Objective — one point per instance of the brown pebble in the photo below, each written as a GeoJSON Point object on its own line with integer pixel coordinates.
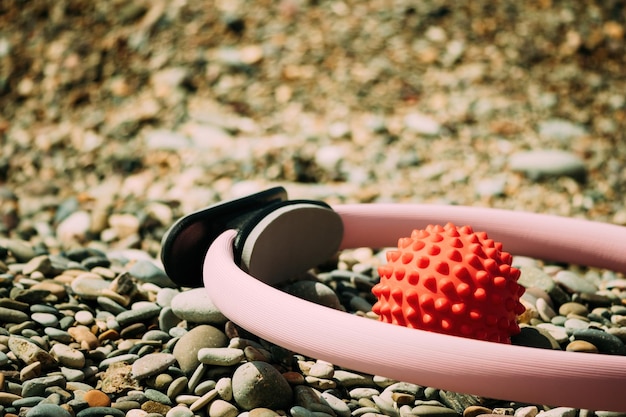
{"type": "Point", "coordinates": [109, 334]}
{"type": "Point", "coordinates": [6, 398]}
{"type": "Point", "coordinates": [402, 398]}
{"type": "Point", "coordinates": [476, 410]}
{"type": "Point", "coordinates": [97, 398]}
{"type": "Point", "coordinates": [83, 335]}
{"type": "Point", "coordinates": [581, 346]}
{"type": "Point", "coordinates": [294, 378]}
{"type": "Point", "coordinates": [133, 330]}
{"type": "Point", "coordinates": [155, 407]}
{"type": "Point", "coordinates": [55, 288]}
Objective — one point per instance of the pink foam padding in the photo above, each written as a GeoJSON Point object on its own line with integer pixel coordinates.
{"type": "Point", "coordinates": [493, 370]}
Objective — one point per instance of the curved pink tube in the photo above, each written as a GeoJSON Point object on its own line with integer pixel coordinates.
{"type": "Point", "coordinates": [493, 370]}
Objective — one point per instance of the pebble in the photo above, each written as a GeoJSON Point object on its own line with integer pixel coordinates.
{"type": "Point", "coordinates": [139, 313]}
{"type": "Point", "coordinates": [196, 306]}
{"type": "Point", "coordinates": [221, 408]}
{"type": "Point", "coordinates": [147, 271]}
{"type": "Point", "coordinates": [259, 384]}
{"type": "Point", "coordinates": [97, 398]}
{"type": "Point", "coordinates": [29, 352]}
{"type": "Point", "coordinates": [574, 283]}
{"type": "Point", "coordinates": [152, 364]}
{"type": "Point", "coordinates": [220, 356]}
{"type": "Point", "coordinates": [604, 341]}
{"type": "Point", "coordinates": [431, 410]}
{"type": "Point", "coordinates": [187, 347]}
{"type": "Point", "coordinates": [315, 292]}
{"type": "Point", "coordinates": [48, 410]}
{"type": "Point", "coordinates": [68, 356]}
{"type": "Point", "coordinates": [581, 346]}
{"type": "Point", "coordinates": [538, 164]}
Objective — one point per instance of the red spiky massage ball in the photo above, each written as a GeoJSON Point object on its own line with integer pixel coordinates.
{"type": "Point", "coordinates": [450, 280]}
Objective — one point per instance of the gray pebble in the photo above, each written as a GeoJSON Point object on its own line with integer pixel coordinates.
{"type": "Point", "coordinates": [605, 342]}
{"type": "Point", "coordinates": [537, 164]}
{"type": "Point", "coordinates": [557, 332]}
{"type": "Point", "coordinates": [574, 283]}
{"type": "Point", "coordinates": [432, 410]}
{"type": "Point", "coordinates": [220, 356]}
{"type": "Point", "coordinates": [155, 395]}
{"type": "Point", "coordinates": [128, 357]}
{"type": "Point", "coordinates": [143, 313]}
{"type": "Point", "coordinates": [196, 306]}
{"type": "Point", "coordinates": [152, 364]}
{"type": "Point", "coordinates": [571, 325]}
{"type": "Point", "coordinates": [100, 412]}
{"type": "Point", "coordinates": [48, 410]}
{"type": "Point", "coordinates": [110, 305]}
{"type": "Point", "coordinates": [37, 386]}
{"type": "Point", "coordinates": [9, 315]}
{"type": "Point", "coordinates": [187, 347]}
{"type": "Point", "coordinates": [259, 384]}
{"type": "Point", "coordinates": [147, 271]}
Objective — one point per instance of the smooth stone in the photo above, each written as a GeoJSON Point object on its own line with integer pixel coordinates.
{"type": "Point", "coordinates": [545, 311]}
{"type": "Point", "coordinates": [9, 315]}
{"type": "Point", "coordinates": [147, 271]}
{"type": "Point", "coordinates": [58, 335]}
{"type": "Point", "coordinates": [560, 129]}
{"type": "Point", "coordinates": [203, 401]}
{"type": "Point", "coordinates": [127, 357]}
{"type": "Point", "coordinates": [315, 292]}
{"type": "Point", "coordinates": [539, 164]}
{"type": "Point", "coordinates": [68, 356]}
{"type": "Point", "coordinates": [264, 412]}
{"type": "Point", "coordinates": [48, 410]}
{"type": "Point", "coordinates": [28, 352]}
{"type": "Point", "coordinates": [338, 405]}
{"type": "Point", "coordinates": [187, 347]}
{"type": "Point", "coordinates": [534, 277]}
{"type": "Point", "coordinates": [535, 337]}
{"type": "Point", "coordinates": [84, 336]}
{"type": "Point", "coordinates": [21, 250]}
{"type": "Point", "coordinates": [574, 283]}
{"type": "Point", "coordinates": [476, 410]}
{"type": "Point", "coordinates": [97, 398]}
{"type": "Point", "coordinates": [581, 346]}
{"type": "Point", "coordinates": [573, 308]}
{"type": "Point", "coordinates": [37, 386]}
{"type": "Point", "coordinates": [177, 386]}
{"type": "Point", "coordinates": [364, 392]}
{"type": "Point", "coordinates": [157, 396]}
{"type": "Point", "coordinates": [224, 387]}
{"type": "Point", "coordinates": [168, 320]}
{"type": "Point", "coordinates": [432, 410]}
{"type": "Point", "coordinates": [422, 124]}
{"type": "Point", "coordinates": [221, 408]}
{"type": "Point", "coordinates": [322, 369]}
{"type": "Point", "coordinates": [220, 356]}
{"type": "Point", "coordinates": [557, 332]}
{"type": "Point", "coordinates": [528, 411]}
{"type": "Point", "coordinates": [110, 305]}
{"type": "Point", "coordinates": [84, 317]}
{"type": "Point", "coordinates": [196, 306]}
{"type": "Point", "coordinates": [605, 342]}
{"type": "Point", "coordinates": [165, 296]}
{"type": "Point", "coordinates": [352, 379]}
{"type": "Point", "coordinates": [259, 384]}
{"type": "Point", "coordinates": [572, 325]}
{"type": "Point", "coordinates": [152, 364]}
{"type": "Point", "coordinates": [141, 314]}
{"type": "Point", "coordinates": [89, 285]}
{"type": "Point", "coordinates": [179, 411]}
{"type": "Point", "coordinates": [100, 412]}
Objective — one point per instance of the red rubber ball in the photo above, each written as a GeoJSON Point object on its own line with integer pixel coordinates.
{"type": "Point", "coordinates": [450, 280]}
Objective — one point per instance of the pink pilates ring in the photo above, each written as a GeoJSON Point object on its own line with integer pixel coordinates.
{"type": "Point", "coordinates": [494, 370]}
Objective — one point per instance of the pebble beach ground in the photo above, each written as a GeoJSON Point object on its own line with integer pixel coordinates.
{"type": "Point", "coordinates": [116, 118]}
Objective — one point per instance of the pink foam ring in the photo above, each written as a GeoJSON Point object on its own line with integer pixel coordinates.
{"type": "Point", "coordinates": [493, 370]}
